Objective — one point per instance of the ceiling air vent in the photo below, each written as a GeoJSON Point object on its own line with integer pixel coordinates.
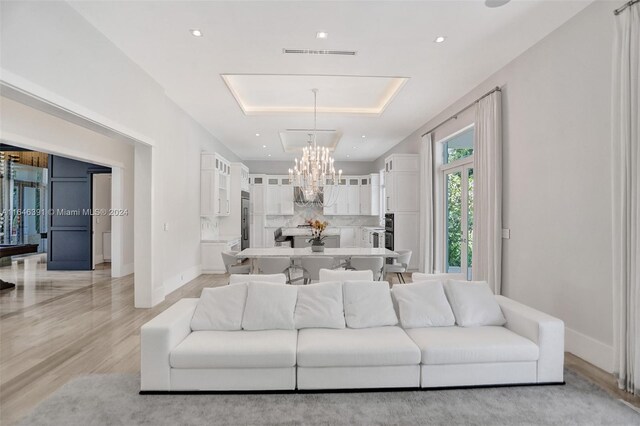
{"type": "Point", "coordinates": [320, 52]}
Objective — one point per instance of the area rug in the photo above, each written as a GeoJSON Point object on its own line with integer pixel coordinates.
{"type": "Point", "coordinates": [113, 400]}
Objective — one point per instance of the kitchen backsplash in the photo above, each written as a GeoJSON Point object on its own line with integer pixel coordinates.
{"type": "Point", "coordinates": [209, 228]}
{"type": "Point", "coordinates": [302, 213]}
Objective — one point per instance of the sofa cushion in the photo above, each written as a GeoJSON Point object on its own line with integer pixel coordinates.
{"type": "Point", "coordinates": [342, 275]}
{"type": "Point", "coordinates": [320, 306]}
{"type": "Point", "coordinates": [220, 308]}
{"type": "Point", "coordinates": [419, 276]}
{"type": "Point", "coordinates": [368, 304]}
{"type": "Point", "coordinates": [350, 347]}
{"type": "Point", "coordinates": [460, 345]}
{"type": "Point", "coordinates": [236, 349]}
{"type": "Point", "coordinates": [269, 307]}
{"type": "Point", "coordinates": [265, 278]}
{"type": "Point", "coordinates": [423, 304]}
{"type": "Point", "coordinates": [473, 303]}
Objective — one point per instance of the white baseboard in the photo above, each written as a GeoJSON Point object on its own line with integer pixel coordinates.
{"type": "Point", "coordinates": [175, 282]}
{"type": "Point", "coordinates": [591, 350]}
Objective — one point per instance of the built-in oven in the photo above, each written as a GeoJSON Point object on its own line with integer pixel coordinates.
{"type": "Point", "coordinates": [388, 222]}
{"type": "Point", "coordinates": [388, 240]}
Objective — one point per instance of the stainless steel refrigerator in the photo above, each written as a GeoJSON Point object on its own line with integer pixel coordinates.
{"type": "Point", "coordinates": [245, 221]}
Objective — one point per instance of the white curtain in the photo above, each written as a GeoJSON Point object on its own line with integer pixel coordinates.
{"type": "Point", "coordinates": [626, 194]}
{"type": "Point", "coordinates": [427, 201]}
{"type": "Point", "coordinates": [487, 211]}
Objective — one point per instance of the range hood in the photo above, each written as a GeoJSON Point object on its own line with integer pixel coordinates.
{"type": "Point", "coordinates": [299, 197]}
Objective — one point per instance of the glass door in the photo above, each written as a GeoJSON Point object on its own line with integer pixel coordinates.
{"type": "Point", "coordinates": [458, 238]}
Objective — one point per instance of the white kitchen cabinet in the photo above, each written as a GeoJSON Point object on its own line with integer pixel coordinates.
{"type": "Point", "coordinates": [370, 195]}
{"type": "Point", "coordinates": [211, 255]}
{"type": "Point", "coordinates": [269, 237]}
{"type": "Point", "coordinates": [215, 185]}
{"type": "Point", "coordinates": [330, 194]}
{"type": "Point", "coordinates": [279, 197]}
{"type": "Point", "coordinates": [348, 237]}
{"type": "Point", "coordinates": [244, 178]}
{"type": "Point", "coordinates": [256, 231]}
{"type": "Point", "coordinates": [353, 196]}
{"type": "Point", "coordinates": [257, 190]}
{"type": "Point", "coordinates": [401, 183]}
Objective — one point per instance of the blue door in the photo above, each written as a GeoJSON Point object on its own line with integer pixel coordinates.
{"type": "Point", "coordinates": [70, 233]}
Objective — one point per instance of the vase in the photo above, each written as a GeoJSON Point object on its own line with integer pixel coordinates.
{"type": "Point", "coordinates": [317, 247]}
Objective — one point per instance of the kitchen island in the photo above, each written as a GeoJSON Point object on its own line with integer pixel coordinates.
{"type": "Point", "coordinates": [300, 237]}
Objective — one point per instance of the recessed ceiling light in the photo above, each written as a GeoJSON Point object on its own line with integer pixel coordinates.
{"type": "Point", "coordinates": [196, 32]}
{"type": "Point", "coordinates": [354, 147]}
{"type": "Point", "coordinates": [269, 155]}
{"type": "Point", "coordinates": [264, 146]}
{"type": "Point", "coordinates": [257, 134]}
{"type": "Point", "coordinates": [440, 39]}
{"type": "Point", "coordinates": [348, 155]}
{"type": "Point", "coordinates": [364, 136]}
{"type": "Point", "coordinates": [495, 3]}
{"type": "Point", "coordinates": [322, 34]}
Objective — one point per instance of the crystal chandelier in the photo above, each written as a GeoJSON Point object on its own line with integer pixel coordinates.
{"type": "Point", "coordinates": [315, 168]}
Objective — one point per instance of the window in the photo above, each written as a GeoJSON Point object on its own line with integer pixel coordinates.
{"type": "Point", "coordinates": [458, 146]}
{"type": "Point", "coordinates": [458, 179]}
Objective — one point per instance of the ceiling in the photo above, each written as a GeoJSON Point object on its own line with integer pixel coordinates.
{"type": "Point", "coordinates": [236, 81]}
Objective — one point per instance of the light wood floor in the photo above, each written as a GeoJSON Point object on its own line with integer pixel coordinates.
{"type": "Point", "coordinates": [63, 326]}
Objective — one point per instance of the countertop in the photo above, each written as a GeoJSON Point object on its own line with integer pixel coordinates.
{"type": "Point", "coordinates": [222, 239]}
{"type": "Point", "coordinates": [256, 253]}
{"type": "Point", "coordinates": [306, 232]}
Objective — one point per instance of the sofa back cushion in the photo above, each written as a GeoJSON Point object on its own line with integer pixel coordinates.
{"type": "Point", "coordinates": [419, 277]}
{"type": "Point", "coordinates": [320, 306]}
{"type": "Point", "coordinates": [264, 278]}
{"type": "Point", "coordinates": [269, 306]}
{"type": "Point", "coordinates": [368, 304]}
{"type": "Point", "coordinates": [342, 275]}
{"type": "Point", "coordinates": [473, 303]}
{"type": "Point", "coordinates": [220, 308]}
{"type": "Point", "coordinates": [423, 304]}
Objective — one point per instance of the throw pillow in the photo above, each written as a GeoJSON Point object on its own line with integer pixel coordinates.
{"type": "Point", "coordinates": [320, 306]}
{"type": "Point", "coordinates": [368, 304]}
{"type": "Point", "coordinates": [220, 308]}
{"type": "Point", "coordinates": [473, 304]}
{"type": "Point", "coordinates": [269, 307]}
{"type": "Point", "coordinates": [423, 304]}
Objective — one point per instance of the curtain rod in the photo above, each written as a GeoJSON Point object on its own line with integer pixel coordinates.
{"type": "Point", "coordinates": [624, 6]}
{"type": "Point", "coordinates": [495, 89]}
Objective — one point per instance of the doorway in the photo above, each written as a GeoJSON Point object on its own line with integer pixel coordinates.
{"type": "Point", "coordinates": [101, 219]}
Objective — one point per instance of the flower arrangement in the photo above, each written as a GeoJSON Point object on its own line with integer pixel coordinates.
{"type": "Point", "coordinates": [317, 228]}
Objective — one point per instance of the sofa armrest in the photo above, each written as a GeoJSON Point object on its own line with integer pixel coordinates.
{"type": "Point", "coordinates": [157, 338]}
{"type": "Point", "coordinates": [544, 330]}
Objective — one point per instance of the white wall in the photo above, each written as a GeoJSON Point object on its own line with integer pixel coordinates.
{"type": "Point", "coordinates": [49, 50]}
{"type": "Point", "coordinates": [557, 177]}
{"type": "Point", "coordinates": [101, 224]}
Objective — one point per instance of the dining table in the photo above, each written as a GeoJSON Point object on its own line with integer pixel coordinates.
{"type": "Point", "coordinates": [342, 253]}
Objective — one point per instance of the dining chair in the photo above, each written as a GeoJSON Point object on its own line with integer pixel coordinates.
{"type": "Point", "coordinates": [232, 265]}
{"type": "Point", "coordinates": [274, 265]}
{"type": "Point", "coordinates": [400, 264]}
{"type": "Point", "coordinates": [374, 264]}
{"type": "Point", "coordinates": [311, 267]}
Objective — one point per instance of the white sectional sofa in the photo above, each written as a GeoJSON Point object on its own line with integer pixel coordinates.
{"type": "Point", "coordinates": [527, 349]}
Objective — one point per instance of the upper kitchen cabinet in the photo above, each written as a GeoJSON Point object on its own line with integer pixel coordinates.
{"type": "Point", "coordinates": [402, 182]}
{"type": "Point", "coordinates": [215, 185]}
{"type": "Point", "coordinates": [279, 196]}
{"type": "Point", "coordinates": [370, 195]}
{"type": "Point", "coordinates": [344, 198]}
